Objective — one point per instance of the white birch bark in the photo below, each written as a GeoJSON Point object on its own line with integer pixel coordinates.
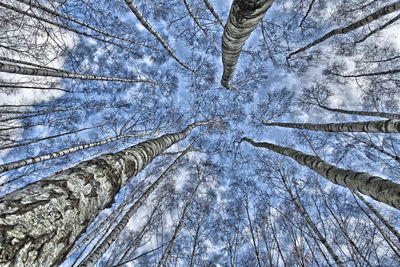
{"type": "Point", "coordinates": [243, 19]}
{"type": "Point", "coordinates": [10, 68]}
{"type": "Point", "coordinates": [378, 188]}
{"type": "Point", "coordinates": [135, 10]}
{"type": "Point", "coordinates": [386, 126]}
{"type": "Point", "coordinates": [343, 30]}
{"type": "Point", "coordinates": [40, 222]}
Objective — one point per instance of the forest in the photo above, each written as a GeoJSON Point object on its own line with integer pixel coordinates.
{"type": "Point", "coordinates": [199, 133]}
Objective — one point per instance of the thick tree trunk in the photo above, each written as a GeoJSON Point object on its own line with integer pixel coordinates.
{"type": "Point", "coordinates": [135, 10]}
{"type": "Point", "coordinates": [387, 126]}
{"type": "Point", "coordinates": [378, 188]}
{"type": "Point", "coordinates": [243, 19]}
{"type": "Point", "coordinates": [380, 28]}
{"type": "Point", "coordinates": [92, 259]}
{"type": "Point", "coordinates": [40, 222]}
{"type": "Point", "coordinates": [364, 21]}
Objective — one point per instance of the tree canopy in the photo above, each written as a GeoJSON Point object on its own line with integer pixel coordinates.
{"type": "Point", "coordinates": [199, 133]}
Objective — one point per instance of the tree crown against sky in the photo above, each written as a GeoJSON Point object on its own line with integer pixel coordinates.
{"type": "Point", "coordinates": [83, 80]}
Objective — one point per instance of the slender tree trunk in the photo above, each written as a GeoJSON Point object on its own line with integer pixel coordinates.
{"type": "Point", "coordinates": [150, 28]}
{"type": "Point", "coordinates": [379, 216]}
{"type": "Point", "coordinates": [196, 240]}
{"type": "Point", "coordinates": [386, 72]}
{"type": "Point", "coordinates": [386, 126]}
{"type": "Point", "coordinates": [380, 28]}
{"type": "Point", "coordinates": [25, 162]}
{"type": "Point", "coordinates": [92, 258]}
{"type": "Point", "coordinates": [168, 251]}
{"type": "Point", "coordinates": [364, 21]}
{"type": "Point", "coordinates": [211, 8]}
{"type": "Point", "coordinates": [342, 228]}
{"type": "Point", "coordinates": [46, 138]}
{"type": "Point", "coordinates": [243, 19]}
{"type": "Point", "coordinates": [363, 113]}
{"type": "Point", "coordinates": [310, 223]}
{"type": "Point", "coordinates": [307, 13]}
{"type": "Point", "coordinates": [378, 188]}
{"type": "Point", "coordinates": [40, 222]}
{"type": "Point", "coordinates": [45, 9]}
{"type": "Point", "coordinates": [252, 233]}
{"type": "Point", "coordinates": [10, 68]}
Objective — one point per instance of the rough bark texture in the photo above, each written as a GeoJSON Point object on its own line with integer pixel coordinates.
{"type": "Point", "coordinates": [243, 19]}
{"type": "Point", "coordinates": [364, 21]}
{"type": "Point", "coordinates": [135, 10]}
{"type": "Point", "coordinates": [40, 222]}
{"type": "Point", "coordinates": [378, 188]}
{"type": "Point", "coordinates": [387, 126]}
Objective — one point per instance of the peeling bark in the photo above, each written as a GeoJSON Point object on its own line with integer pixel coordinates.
{"type": "Point", "coordinates": [387, 126]}
{"type": "Point", "coordinates": [378, 188]}
{"type": "Point", "coordinates": [243, 19]}
{"type": "Point", "coordinates": [343, 30]}
{"type": "Point", "coordinates": [40, 222]}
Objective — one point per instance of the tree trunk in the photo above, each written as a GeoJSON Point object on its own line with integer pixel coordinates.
{"type": "Point", "coordinates": [364, 21]}
{"type": "Point", "coordinates": [309, 222]}
{"type": "Point", "coordinates": [10, 68]}
{"type": "Point", "coordinates": [40, 222]}
{"type": "Point", "coordinates": [243, 19]}
{"type": "Point", "coordinates": [362, 113]}
{"type": "Point", "coordinates": [25, 162]}
{"type": "Point", "coordinates": [380, 189]}
{"type": "Point", "coordinates": [150, 28]}
{"type": "Point", "coordinates": [386, 126]}
{"type": "Point", "coordinates": [379, 216]}
{"type": "Point", "coordinates": [168, 251]}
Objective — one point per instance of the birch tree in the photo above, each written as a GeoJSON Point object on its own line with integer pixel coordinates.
{"type": "Point", "coordinates": [41, 221]}
{"type": "Point", "coordinates": [378, 188]}
{"type": "Point", "coordinates": [243, 19]}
